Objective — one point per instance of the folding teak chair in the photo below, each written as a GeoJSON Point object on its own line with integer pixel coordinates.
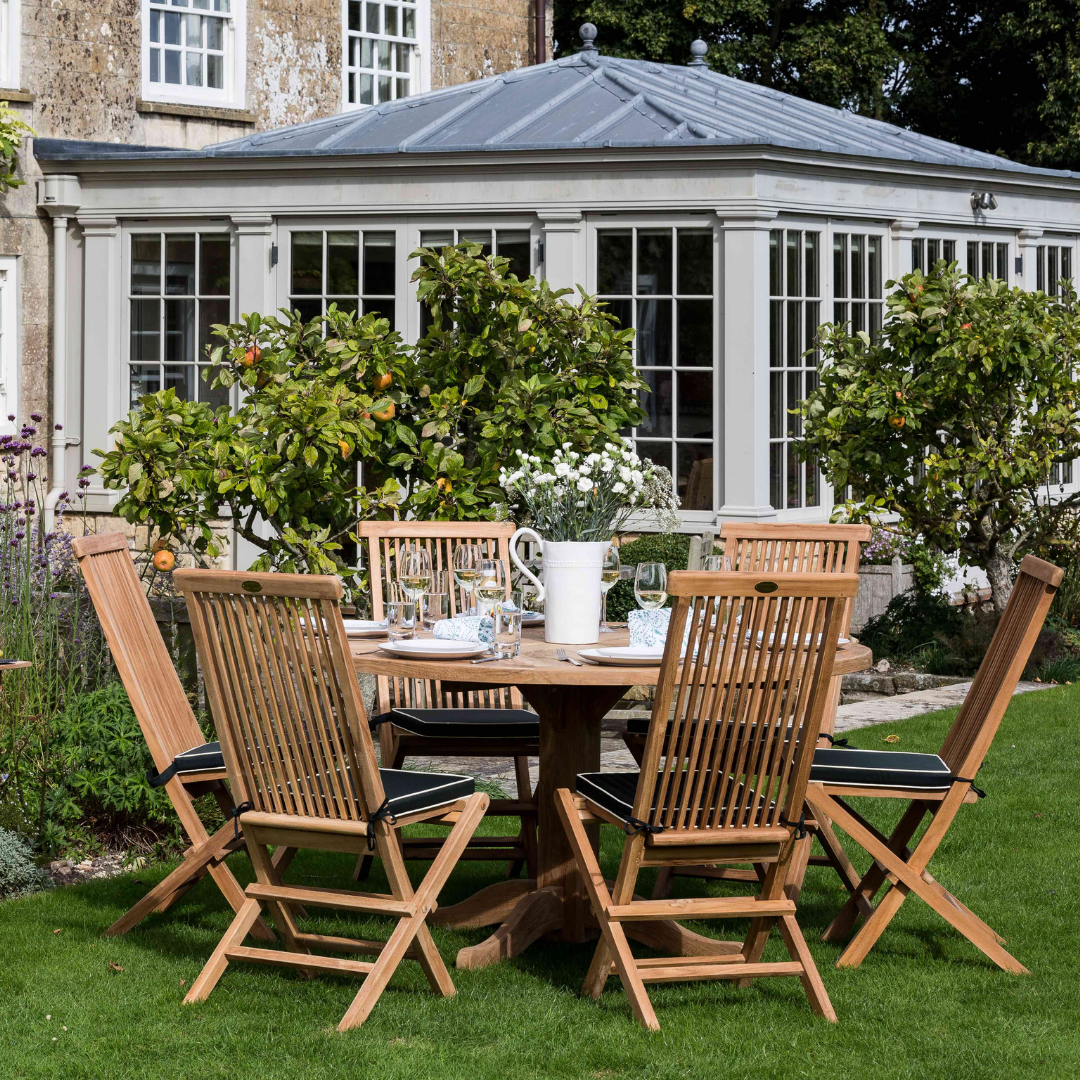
{"type": "Point", "coordinates": [301, 759]}
{"type": "Point", "coordinates": [933, 784]}
{"type": "Point", "coordinates": [788, 547]}
{"type": "Point", "coordinates": [185, 764]}
{"type": "Point", "coordinates": [723, 782]}
{"type": "Point", "coordinates": [433, 719]}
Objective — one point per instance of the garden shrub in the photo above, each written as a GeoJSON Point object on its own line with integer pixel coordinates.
{"type": "Point", "coordinates": [19, 874]}
{"type": "Point", "coordinates": [672, 549]}
{"type": "Point", "coordinates": [913, 622]}
{"type": "Point", "coordinates": [101, 797]}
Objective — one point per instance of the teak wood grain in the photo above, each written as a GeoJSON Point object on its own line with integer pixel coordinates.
{"type": "Point", "coordinates": [300, 757]}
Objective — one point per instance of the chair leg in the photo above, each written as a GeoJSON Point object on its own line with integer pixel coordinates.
{"type": "Point", "coordinates": [810, 978]}
{"type": "Point", "coordinates": [797, 870]}
{"type": "Point", "coordinates": [837, 856]}
{"type": "Point", "coordinates": [215, 967]}
{"type": "Point", "coordinates": [772, 889]}
{"type": "Point", "coordinates": [613, 944]}
{"type": "Point", "coordinates": [662, 888]}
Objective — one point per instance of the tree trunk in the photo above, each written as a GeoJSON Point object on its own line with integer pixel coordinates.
{"type": "Point", "coordinates": [997, 570]}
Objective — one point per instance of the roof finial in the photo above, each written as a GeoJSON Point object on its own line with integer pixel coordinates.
{"type": "Point", "coordinates": [698, 49]}
{"type": "Point", "coordinates": [587, 33]}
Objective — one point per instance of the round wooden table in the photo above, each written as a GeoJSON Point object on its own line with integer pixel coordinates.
{"type": "Point", "coordinates": [571, 702]}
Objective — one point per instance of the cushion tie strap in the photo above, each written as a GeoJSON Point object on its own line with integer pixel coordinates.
{"type": "Point", "coordinates": [799, 826]}
{"type": "Point", "coordinates": [383, 813]}
{"type": "Point", "coordinates": [964, 780]}
{"type": "Point", "coordinates": [636, 825]}
{"type": "Point", "coordinates": [382, 718]}
{"type": "Point", "coordinates": [834, 743]}
{"type": "Point", "coordinates": [235, 813]}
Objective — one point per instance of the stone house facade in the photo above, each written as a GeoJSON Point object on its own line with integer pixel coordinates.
{"type": "Point", "coordinates": [187, 73]}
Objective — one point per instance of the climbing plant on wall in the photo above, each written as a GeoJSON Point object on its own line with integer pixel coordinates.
{"type": "Point", "coordinates": [12, 132]}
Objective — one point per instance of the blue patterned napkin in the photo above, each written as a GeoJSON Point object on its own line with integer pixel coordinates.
{"type": "Point", "coordinates": [479, 628]}
{"type": "Point", "coordinates": [648, 629]}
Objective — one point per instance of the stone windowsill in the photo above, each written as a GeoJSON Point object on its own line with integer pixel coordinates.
{"type": "Point", "coordinates": [10, 95]}
{"type": "Point", "coordinates": [201, 112]}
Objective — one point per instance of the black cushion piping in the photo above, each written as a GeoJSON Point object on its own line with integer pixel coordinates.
{"type": "Point", "coordinates": [464, 723]}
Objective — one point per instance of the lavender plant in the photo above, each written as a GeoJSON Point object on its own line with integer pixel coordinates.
{"type": "Point", "coordinates": [46, 617]}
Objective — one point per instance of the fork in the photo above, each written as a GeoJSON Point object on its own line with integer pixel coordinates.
{"type": "Point", "coordinates": [560, 654]}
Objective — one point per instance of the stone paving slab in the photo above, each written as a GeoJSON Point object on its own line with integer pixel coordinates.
{"type": "Point", "coordinates": [614, 757]}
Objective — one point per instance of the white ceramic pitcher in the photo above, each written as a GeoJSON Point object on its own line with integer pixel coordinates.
{"type": "Point", "coordinates": [570, 590]}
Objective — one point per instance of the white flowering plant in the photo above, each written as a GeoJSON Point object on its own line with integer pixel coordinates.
{"type": "Point", "coordinates": [588, 496]}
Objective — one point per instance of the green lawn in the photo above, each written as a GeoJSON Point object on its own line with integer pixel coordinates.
{"type": "Point", "coordinates": [925, 1003]}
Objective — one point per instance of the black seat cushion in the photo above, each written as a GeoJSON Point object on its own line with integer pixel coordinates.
{"type": "Point", "coordinates": [205, 758]}
{"type": "Point", "coordinates": [409, 791]}
{"type": "Point", "coordinates": [465, 723]}
{"type": "Point", "coordinates": [614, 791]}
{"type": "Point", "coordinates": [881, 769]}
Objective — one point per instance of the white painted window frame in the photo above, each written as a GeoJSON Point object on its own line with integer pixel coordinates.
{"type": "Point", "coordinates": [10, 340]}
{"type": "Point", "coordinates": [963, 236]}
{"type": "Point", "coordinates": [10, 38]}
{"type": "Point", "coordinates": [233, 94]}
{"type": "Point", "coordinates": [692, 520]}
{"type": "Point", "coordinates": [421, 58]}
{"type": "Point", "coordinates": [169, 225]}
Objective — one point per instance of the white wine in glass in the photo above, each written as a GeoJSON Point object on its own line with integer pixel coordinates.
{"type": "Point", "coordinates": [414, 572]}
{"type": "Point", "coordinates": [650, 585]}
{"type": "Point", "coordinates": [467, 560]}
{"type": "Point", "coordinates": [490, 584]}
{"type": "Point", "coordinates": [610, 569]}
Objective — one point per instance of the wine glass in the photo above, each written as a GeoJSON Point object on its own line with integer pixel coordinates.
{"type": "Point", "coordinates": [712, 562]}
{"type": "Point", "coordinates": [467, 560]}
{"type": "Point", "coordinates": [650, 585]}
{"type": "Point", "coordinates": [491, 583]}
{"type": "Point", "coordinates": [414, 572]}
{"type": "Point", "coordinates": [610, 569]}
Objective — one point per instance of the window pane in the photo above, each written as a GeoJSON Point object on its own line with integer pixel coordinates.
{"type": "Point", "coordinates": [155, 25]}
{"type": "Point", "coordinates": [948, 248]}
{"type": "Point", "coordinates": [776, 405]}
{"type": "Point", "coordinates": [379, 264]}
{"type": "Point", "coordinates": [695, 420]}
{"type": "Point", "coordinates": [478, 236]}
{"type": "Point", "coordinates": [840, 281]}
{"type": "Point", "coordinates": [384, 89]}
{"type": "Point", "coordinates": [873, 244]}
{"type": "Point", "coordinates": [654, 333]}
{"type": "Point", "coordinates": [215, 34]}
{"type": "Point", "coordinates": [694, 479]}
{"type": "Point", "coordinates": [875, 321]}
{"type": "Point", "coordinates": [794, 333]}
{"type": "Point", "coordinates": [987, 267]}
{"type": "Point", "coordinates": [145, 379]}
{"type": "Point", "coordinates": [1040, 269]}
{"type": "Point", "coordinates": [654, 261]}
{"type": "Point", "coordinates": [384, 307]}
{"type": "Point", "coordinates": [215, 398]}
{"type": "Point", "coordinates": [623, 310]}
{"type": "Point", "coordinates": [695, 333]}
{"type": "Point", "coordinates": [776, 476]}
{"type": "Point", "coordinates": [179, 331]}
{"type": "Point", "coordinates": [658, 453]}
{"type": "Point", "coordinates": [657, 405]}
{"type": "Point", "coordinates": [794, 264]}
{"type": "Point", "coordinates": [367, 53]}
{"type": "Point", "coordinates": [306, 262]}
{"type": "Point", "coordinates": [1052, 273]}
{"type": "Point", "coordinates": [409, 18]}
{"type": "Point", "coordinates": [1002, 270]}
{"type": "Point", "coordinates": [916, 255]}
{"type": "Point", "coordinates": [146, 330]}
{"type": "Point", "coordinates": [354, 15]}
{"type": "Point", "coordinates": [402, 58]}
{"type": "Point", "coordinates": [793, 420]}
{"type": "Point", "coordinates": [211, 312]}
{"type": "Point", "coordinates": [614, 251]}
{"type": "Point", "coordinates": [933, 252]}
{"type": "Point", "coordinates": [858, 270]}
{"type": "Point", "coordinates": [840, 313]}
{"type": "Point", "coordinates": [813, 321]}
{"type": "Point", "coordinates": [194, 68]}
{"type": "Point", "coordinates": [813, 276]}
{"type": "Point", "coordinates": [813, 487]}
{"type": "Point", "coordinates": [181, 378]}
{"type": "Point", "coordinates": [155, 65]}
{"type": "Point", "coordinates": [172, 28]}
{"type": "Point", "coordinates": [180, 265]}
{"type": "Point", "coordinates": [146, 264]}
{"type": "Point", "coordinates": [383, 51]}
{"type": "Point", "coordinates": [973, 259]}
{"type": "Point", "coordinates": [776, 333]}
{"type": "Point", "coordinates": [172, 67]}
{"type": "Point", "coordinates": [342, 264]}
{"type": "Point", "coordinates": [436, 240]}
{"type": "Point", "coordinates": [193, 31]}
{"type": "Point", "coordinates": [776, 261]}
{"type": "Point", "coordinates": [214, 272]}
{"type": "Point", "coordinates": [1066, 262]}
{"type": "Point", "coordinates": [793, 488]}
{"type": "Point", "coordinates": [517, 247]}
{"type": "Point", "coordinates": [696, 262]}
{"type": "Point", "coordinates": [372, 18]}
{"type": "Point", "coordinates": [308, 308]}
{"type": "Point", "coordinates": [858, 317]}
{"type": "Point", "coordinates": [215, 71]}
{"type": "Point", "coordinates": [391, 19]}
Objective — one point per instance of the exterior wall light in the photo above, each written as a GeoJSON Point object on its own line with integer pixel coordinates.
{"type": "Point", "coordinates": [983, 200]}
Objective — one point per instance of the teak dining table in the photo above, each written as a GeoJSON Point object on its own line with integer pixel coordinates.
{"type": "Point", "coordinates": [571, 703]}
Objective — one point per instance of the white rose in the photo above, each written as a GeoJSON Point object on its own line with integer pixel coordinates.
{"type": "Point", "coordinates": [637, 477]}
{"type": "Point", "coordinates": [584, 484]}
{"type": "Point", "coordinates": [618, 487]}
{"type": "Point", "coordinates": [624, 474]}
{"type": "Point", "coordinates": [562, 468]}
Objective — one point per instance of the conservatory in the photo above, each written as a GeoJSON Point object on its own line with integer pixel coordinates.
{"type": "Point", "coordinates": [723, 220]}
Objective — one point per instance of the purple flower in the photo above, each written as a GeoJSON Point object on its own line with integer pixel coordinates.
{"type": "Point", "coordinates": [39, 451]}
{"type": "Point", "coordinates": [11, 416]}
{"type": "Point", "coordinates": [84, 483]}
{"type": "Point", "coordinates": [36, 417]}
{"type": "Point", "coordinates": [64, 496]}
{"type": "Point", "coordinates": [58, 427]}
{"type": "Point", "coordinates": [31, 476]}
{"type": "Point", "coordinates": [87, 468]}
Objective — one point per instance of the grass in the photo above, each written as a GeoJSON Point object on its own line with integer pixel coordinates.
{"type": "Point", "coordinates": [925, 1003]}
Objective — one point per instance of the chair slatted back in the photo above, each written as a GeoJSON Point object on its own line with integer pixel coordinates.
{"type": "Point", "coordinates": [994, 684]}
{"type": "Point", "coordinates": [386, 541]}
{"type": "Point", "coordinates": [146, 669]}
{"type": "Point", "coordinates": [795, 548]}
{"type": "Point", "coordinates": [745, 717]}
{"type": "Point", "coordinates": [286, 701]}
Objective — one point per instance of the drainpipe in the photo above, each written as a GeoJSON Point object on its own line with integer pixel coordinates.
{"type": "Point", "coordinates": [59, 197]}
{"type": "Point", "coordinates": [541, 31]}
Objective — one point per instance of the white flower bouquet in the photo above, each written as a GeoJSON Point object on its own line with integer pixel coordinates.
{"type": "Point", "coordinates": [589, 497]}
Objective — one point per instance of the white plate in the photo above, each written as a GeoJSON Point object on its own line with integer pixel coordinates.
{"type": "Point", "coordinates": [624, 655]}
{"type": "Point", "coordinates": [532, 618]}
{"type": "Point", "coordinates": [364, 628]}
{"type": "Point", "coordinates": [433, 649]}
